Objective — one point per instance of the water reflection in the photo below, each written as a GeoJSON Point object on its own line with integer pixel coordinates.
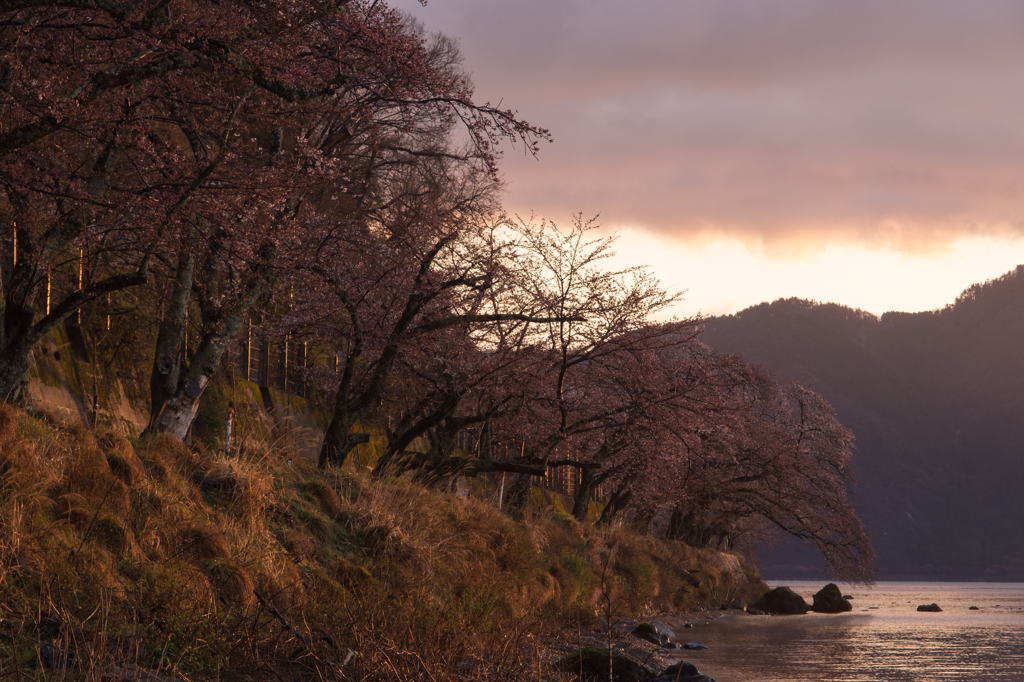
{"type": "Point", "coordinates": [884, 639]}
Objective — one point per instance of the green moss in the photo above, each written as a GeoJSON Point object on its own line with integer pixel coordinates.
{"type": "Point", "coordinates": [319, 526]}
{"type": "Point", "coordinates": [638, 577]}
{"type": "Point", "coordinates": [36, 426]}
{"type": "Point", "coordinates": [575, 574]}
{"type": "Point", "coordinates": [549, 501]}
{"type": "Point", "coordinates": [210, 425]}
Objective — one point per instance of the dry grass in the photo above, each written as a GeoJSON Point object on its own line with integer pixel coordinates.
{"type": "Point", "coordinates": [116, 553]}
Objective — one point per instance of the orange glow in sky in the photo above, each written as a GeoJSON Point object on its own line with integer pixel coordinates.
{"type": "Point", "coordinates": [860, 152]}
{"type": "Point", "coordinates": [724, 276]}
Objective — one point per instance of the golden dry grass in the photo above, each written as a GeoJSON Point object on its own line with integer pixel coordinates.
{"type": "Point", "coordinates": [186, 562]}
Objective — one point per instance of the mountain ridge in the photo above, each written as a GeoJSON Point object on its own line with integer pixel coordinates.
{"type": "Point", "coordinates": [935, 400]}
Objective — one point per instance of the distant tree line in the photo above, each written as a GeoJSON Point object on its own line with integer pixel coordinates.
{"type": "Point", "coordinates": [320, 171]}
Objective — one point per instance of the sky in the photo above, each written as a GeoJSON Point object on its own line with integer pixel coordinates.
{"type": "Point", "coordinates": [862, 152]}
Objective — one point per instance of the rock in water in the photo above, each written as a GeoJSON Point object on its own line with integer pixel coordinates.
{"type": "Point", "coordinates": [782, 600]}
{"type": "Point", "coordinates": [930, 608]}
{"type": "Point", "coordinates": [830, 600]}
{"type": "Point", "coordinates": [695, 645]}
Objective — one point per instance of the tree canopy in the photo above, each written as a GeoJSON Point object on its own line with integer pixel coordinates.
{"type": "Point", "coordinates": [320, 170]}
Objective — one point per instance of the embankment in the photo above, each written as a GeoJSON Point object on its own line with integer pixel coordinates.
{"type": "Point", "coordinates": [117, 552]}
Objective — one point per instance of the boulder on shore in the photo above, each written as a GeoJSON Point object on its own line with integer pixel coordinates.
{"type": "Point", "coordinates": [782, 600]}
{"type": "Point", "coordinates": [591, 663]}
{"type": "Point", "coordinates": [830, 600]}
{"type": "Point", "coordinates": [930, 608]}
{"type": "Point", "coordinates": [683, 671]}
{"type": "Point", "coordinates": [655, 632]}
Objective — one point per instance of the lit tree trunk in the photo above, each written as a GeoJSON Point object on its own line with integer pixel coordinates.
{"type": "Point", "coordinates": [179, 410]}
{"type": "Point", "coordinates": [221, 322]}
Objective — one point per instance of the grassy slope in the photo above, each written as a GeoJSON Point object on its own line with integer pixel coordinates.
{"type": "Point", "coordinates": [179, 560]}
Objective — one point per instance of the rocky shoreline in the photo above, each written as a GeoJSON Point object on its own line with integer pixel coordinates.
{"type": "Point", "coordinates": [651, 650]}
{"type": "Point", "coordinates": [654, 661]}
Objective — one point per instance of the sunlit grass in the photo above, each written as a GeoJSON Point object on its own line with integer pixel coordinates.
{"type": "Point", "coordinates": [183, 561]}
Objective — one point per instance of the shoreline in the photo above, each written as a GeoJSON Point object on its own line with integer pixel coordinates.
{"type": "Point", "coordinates": [650, 655]}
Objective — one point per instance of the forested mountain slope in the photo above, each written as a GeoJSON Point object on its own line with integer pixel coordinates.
{"type": "Point", "coordinates": [936, 401]}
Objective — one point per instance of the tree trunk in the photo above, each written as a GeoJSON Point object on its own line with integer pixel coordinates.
{"type": "Point", "coordinates": [15, 360]}
{"type": "Point", "coordinates": [179, 411]}
{"type": "Point", "coordinates": [518, 495]}
{"type": "Point", "coordinates": [616, 503]}
{"type": "Point", "coordinates": [169, 355]}
{"type": "Point", "coordinates": [642, 521]}
{"type": "Point", "coordinates": [220, 325]}
{"type": "Point", "coordinates": [19, 332]}
{"type": "Point", "coordinates": [581, 503]}
{"type": "Point", "coordinates": [339, 441]}
{"type": "Point", "coordinates": [410, 428]}
{"type": "Point", "coordinates": [679, 524]}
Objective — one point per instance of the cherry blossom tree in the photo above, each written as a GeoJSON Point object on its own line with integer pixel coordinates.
{"type": "Point", "coordinates": [403, 286]}
{"type": "Point", "coordinates": [379, 143]}
{"type": "Point", "coordinates": [576, 414]}
{"type": "Point", "coordinates": [757, 456]}
{"type": "Point", "coordinates": [200, 140]}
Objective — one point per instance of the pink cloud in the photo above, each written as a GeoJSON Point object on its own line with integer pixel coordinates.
{"type": "Point", "coordinates": [894, 122]}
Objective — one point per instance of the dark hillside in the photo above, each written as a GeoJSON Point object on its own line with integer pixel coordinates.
{"type": "Point", "coordinates": [935, 400]}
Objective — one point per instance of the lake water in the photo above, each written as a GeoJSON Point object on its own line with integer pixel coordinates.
{"type": "Point", "coordinates": [884, 638]}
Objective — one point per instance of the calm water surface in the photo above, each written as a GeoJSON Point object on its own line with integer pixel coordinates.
{"type": "Point", "coordinates": [883, 639]}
